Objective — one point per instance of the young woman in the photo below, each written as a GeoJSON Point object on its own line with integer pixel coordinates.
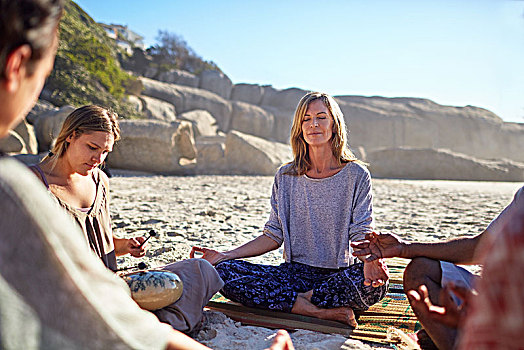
{"type": "Point", "coordinates": [72, 175]}
{"type": "Point", "coordinates": [320, 202]}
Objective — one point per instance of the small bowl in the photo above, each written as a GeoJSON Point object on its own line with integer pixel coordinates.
{"type": "Point", "coordinates": [154, 289]}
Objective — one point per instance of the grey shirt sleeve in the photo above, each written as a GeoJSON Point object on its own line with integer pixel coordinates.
{"type": "Point", "coordinates": [273, 227]}
{"type": "Point", "coordinates": [362, 221]}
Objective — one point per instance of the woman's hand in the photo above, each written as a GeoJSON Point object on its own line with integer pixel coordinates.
{"type": "Point", "coordinates": [378, 245]}
{"type": "Point", "coordinates": [210, 255]}
{"type": "Point", "coordinates": [133, 247]}
{"type": "Point", "coordinates": [130, 246]}
{"type": "Point", "coordinates": [376, 273]}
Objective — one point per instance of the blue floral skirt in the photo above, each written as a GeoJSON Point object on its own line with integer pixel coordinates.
{"type": "Point", "coordinates": [276, 287]}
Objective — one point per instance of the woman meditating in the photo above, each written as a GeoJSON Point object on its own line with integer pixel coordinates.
{"type": "Point", "coordinates": [320, 202]}
{"type": "Point", "coordinates": [72, 175]}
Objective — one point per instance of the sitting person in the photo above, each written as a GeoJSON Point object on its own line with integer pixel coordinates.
{"type": "Point", "coordinates": [54, 294]}
{"type": "Point", "coordinates": [320, 202]}
{"type": "Point", "coordinates": [433, 267]}
{"type": "Point", "coordinates": [72, 175]}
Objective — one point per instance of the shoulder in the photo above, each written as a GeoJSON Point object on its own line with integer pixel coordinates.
{"type": "Point", "coordinates": [103, 177]}
{"type": "Point", "coordinates": [284, 169]}
{"type": "Point", "coordinates": [21, 187]}
{"type": "Point", "coordinates": [285, 173]}
{"type": "Point", "coordinates": [357, 170]}
{"type": "Point", "coordinates": [519, 196]}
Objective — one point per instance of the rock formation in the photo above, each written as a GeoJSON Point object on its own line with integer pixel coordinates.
{"type": "Point", "coordinates": [190, 116]}
{"type": "Point", "coordinates": [251, 155]}
{"type": "Point", "coordinates": [153, 146]}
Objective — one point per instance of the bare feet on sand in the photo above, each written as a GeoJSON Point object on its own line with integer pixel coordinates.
{"type": "Point", "coordinates": [282, 341]}
{"type": "Point", "coordinates": [303, 306]}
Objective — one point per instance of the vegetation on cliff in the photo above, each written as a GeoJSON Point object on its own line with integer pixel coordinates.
{"type": "Point", "coordinates": [172, 51]}
{"type": "Point", "coordinates": [86, 69]}
{"type": "Point", "coordinates": [87, 65]}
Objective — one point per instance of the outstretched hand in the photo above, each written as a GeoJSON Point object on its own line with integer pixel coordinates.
{"type": "Point", "coordinates": [378, 246]}
{"type": "Point", "coordinates": [133, 246]}
{"type": "Point", "coordinates": [449, 314]}
{"type": "Point", "coordinates": [211, 255]}
{"type": "Point", "coordinates": [376, 273]}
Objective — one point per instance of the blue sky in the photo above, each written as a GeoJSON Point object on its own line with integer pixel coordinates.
{"type": "Point", "coordinates": [454, 52]}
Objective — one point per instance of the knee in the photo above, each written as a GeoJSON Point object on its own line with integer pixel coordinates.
{"type": "Point", "coordinates": [202, 264]}
{"type": "Point", "coordinates": [419, 271]}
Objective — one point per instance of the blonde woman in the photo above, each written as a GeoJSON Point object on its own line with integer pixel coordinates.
{"type": "Point", "coordinates": [320, 202]}
{"type": "Point", "coordinates": [72, 175]}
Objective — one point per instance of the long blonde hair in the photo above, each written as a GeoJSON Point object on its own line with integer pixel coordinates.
{"type": "Point", "coordinates": [85, 119]}
{"type": "Point", "coordinates": [301, 162]}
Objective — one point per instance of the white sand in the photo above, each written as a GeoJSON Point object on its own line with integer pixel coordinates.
{"type": "Point", "coordinates": [223, 212]}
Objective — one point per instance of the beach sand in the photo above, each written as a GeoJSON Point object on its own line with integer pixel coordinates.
{"type": "Point", "coordinates": [222, 212]}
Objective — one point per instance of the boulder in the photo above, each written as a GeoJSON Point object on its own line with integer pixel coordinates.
{"type": "Point", "coordinates": [150, 72]}
{"type": "Point", "coordinates": [157, 109]}
{"type": "Point", "coordinates": [249, 93]}
{"type": "Point", "coordinates": [12, 144]}
{"type": "Point", "coordinates": [136, 103]}
{"type": "Point", "coordinates": [203, 122]}
{"type": "Point", "coordinates": [186, 98]}
{"type": "Point", "coordinates": [216, 82]}
{"type": "Point", "coordinates": [179, 77]}
{"type": "Point", "coordinates": [48, 126]}
{"type": "Point", "coordinates": [379, 122]}
{"type": "Point", "coordinates": [283, 99]}
{"type": "Point", "coordinates": [283, 119]}
{"type": "Point", "coordinates": [153, 146]}
{"type": "Point", "coordinates": [163, 91]}
{"type": "Point", "coordinates": [211, 155]}
{"type": "Point", "coordinates": [411, 163]}
{"type": "Point", "coordinates": [40, 107]}
{"type": "Point", "coordinates": [251, 119]}
{"type": "Point", "coordinates": [30, 159]}
{"type": "Point", "coordinates": [251, 155]}
{"type": "Point", "coordinates": [27, 134]}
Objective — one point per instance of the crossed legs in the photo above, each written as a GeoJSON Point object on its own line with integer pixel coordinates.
{"type": "Point", "coordinates": [428, 272]}
{"type": "Point", "coordinates": [303, 306]}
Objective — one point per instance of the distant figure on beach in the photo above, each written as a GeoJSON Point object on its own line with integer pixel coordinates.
{"type": "Point", "coordinates": [72, 175]}
{"type": "Point", "coordinates": [432, 278]}
{"type": "Point", "coordinates": [320, 202]}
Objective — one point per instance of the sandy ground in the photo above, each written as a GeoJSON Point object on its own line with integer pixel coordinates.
{"type": "Point", "coordinates": [223, 212]}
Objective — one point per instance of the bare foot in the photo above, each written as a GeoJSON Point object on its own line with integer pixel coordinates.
{"type": "Point", "coordinates": [342, 314]}
{"type": "Point", "coordinates": [303, 306]}
{"type": "Point", "coordinates": [282, 341]}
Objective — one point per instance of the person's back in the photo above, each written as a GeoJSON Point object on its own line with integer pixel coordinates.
{"type": "Point", "coordinates": [54, 293]}
{"type": "Point", "coordinates": [48, 297]}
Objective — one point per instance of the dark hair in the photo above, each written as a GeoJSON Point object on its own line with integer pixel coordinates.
{"type": "Point", "coordinates": [27, 22]}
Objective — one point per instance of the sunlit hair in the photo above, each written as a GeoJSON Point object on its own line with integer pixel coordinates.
{"type": "Point", "coordinates": [27, 22]}
{"type": "Point", "coordinates": [301, 162]}
{"type": "Point", "coordinates": [86, 119]}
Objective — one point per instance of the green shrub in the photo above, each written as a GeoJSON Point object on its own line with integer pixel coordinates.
{"type": "Point", "coordinates": [87, 70]}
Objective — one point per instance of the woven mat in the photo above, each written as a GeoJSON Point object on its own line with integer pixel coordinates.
{"type": "Point", "coordinates": [392, 311]}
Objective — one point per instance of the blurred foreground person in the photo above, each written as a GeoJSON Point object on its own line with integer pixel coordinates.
{"type": "Point", "coordinates": [54, 292]}
{"type": "Point", "coordinates": [436, 286]}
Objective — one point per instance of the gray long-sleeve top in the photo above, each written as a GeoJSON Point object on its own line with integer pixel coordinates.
{"type": "Point", "coordinates": [317, 218]}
